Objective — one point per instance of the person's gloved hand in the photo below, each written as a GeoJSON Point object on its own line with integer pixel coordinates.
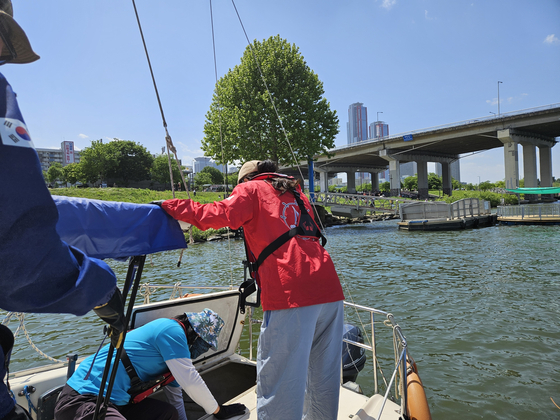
{"type": "Point", "coordinates": [112, 313]}
{"type": "Point", "coordinates": [227, 411]}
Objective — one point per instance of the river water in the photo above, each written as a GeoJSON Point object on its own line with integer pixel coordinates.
{"type": "Point", "coordinates": [480, 309]}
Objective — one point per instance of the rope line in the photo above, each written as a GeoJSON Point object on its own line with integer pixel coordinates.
{"type": "Point", "coordinates": [169, 143]}
{"type": "Point", "coordinates": [21, 327]}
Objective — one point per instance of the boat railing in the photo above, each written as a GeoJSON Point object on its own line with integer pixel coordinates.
{"type": "Point", "coordinates": [530, 211]}
{"type": "Point", "coordinates": [148, 290]}
{"type": "Point", "coordinates": [399, 349]}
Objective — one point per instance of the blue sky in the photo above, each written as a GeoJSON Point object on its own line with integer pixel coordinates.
{"type": "Point", "coordinates": [422, 63]}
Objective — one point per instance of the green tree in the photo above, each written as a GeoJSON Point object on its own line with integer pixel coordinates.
{"type": "Point", "coordinates": [133, 161]}
{"type": "Point", "coordinates": [243, 119]}
{"type": "Point", "coordinates": [217, 177]}
{"type": "Point", "coordinates": [411, 183]}
{"type": "Point", "coordinates": [73, 173]}
{"type": "Point", "coordinates": [500, 184]}
{"type": "Point", "coordinates": [202, 178]}
{"type": "Point", "coordinates": [486, 185]}
{"type": "Point", "coordinates": [434, 181]}
{"type": "Point", "coordinates": [232, 179]}
{"type": "Point", "coordinates": [456, 185]}
{"type": "Point", "coordinates": [54, 173]}
{"type": "Point", "coordinates": [97, 161]}
{"type": "Point", "coordinates": [160, 170]}
{"type": "Point", "coordinates": [385, 186]}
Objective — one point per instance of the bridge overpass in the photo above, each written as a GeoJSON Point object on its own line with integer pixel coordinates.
{"type": "Point", "coordinates": [532, 128]}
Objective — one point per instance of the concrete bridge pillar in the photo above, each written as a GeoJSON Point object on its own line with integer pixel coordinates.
{"type": "Point", "coordinates": [511, 158]}
{"type": "Point", "coordinates": [545, 160]}
{"type": "Point", "coordinates": [447, 185]}
{"type": "Point", "coordinates": [422, 168]}
{"type": "Point", "coordinates": [530, 165]}
{"type": "Point", "coordinates": [351, 182]}
{"type": "Point", "coordinates": [324, 181]}
{"type": "Point", "coordinates": [394, 172]}
{"type": "Point", "coordinates": [374, 182]}
{"type": "Point", "coordinates": [530, 141]}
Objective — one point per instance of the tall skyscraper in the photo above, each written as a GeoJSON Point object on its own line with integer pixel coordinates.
{"type": "Point", "coordinates": [357, 125]}
{"type": "Point", "coordinates": [378, 129]}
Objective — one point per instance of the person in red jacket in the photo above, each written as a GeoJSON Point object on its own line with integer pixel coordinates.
{"type": "Point", "coordinates": [298, 359]}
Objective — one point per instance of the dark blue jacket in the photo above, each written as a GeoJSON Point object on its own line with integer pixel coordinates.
{"type": "Point", "coordinates": [38, 271]}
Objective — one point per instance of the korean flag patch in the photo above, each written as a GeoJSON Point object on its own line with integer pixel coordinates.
{"type": "Point", "coordinates": [14, 133]}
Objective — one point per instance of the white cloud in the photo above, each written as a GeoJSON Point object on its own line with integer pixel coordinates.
{"type": "Point", "coordinates": [508, 100]}
{"type": "Point", "coordinates": [426, 15]}
{"type": "Point", "coordinates": [551, 39]}
{"type": "Point", "coordinates": [388, 4]}
{"type": "Point", "coordinates": [83, 136]}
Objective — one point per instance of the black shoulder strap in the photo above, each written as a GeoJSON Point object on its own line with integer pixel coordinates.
{"type": "Point", "coordinates": [305, 227]}
{"type": "Point", "coordinates": [135, 381]}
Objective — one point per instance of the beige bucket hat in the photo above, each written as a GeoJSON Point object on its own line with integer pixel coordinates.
{"type": "Point", "coordinates": [247, 168]}
{"type": "Point", "coordinates": [17, 48]}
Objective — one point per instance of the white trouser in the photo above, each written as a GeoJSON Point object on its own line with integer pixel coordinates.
{"type": "Point", "coordinates": [299, 363]}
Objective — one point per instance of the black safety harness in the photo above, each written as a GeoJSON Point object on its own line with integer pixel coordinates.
{"type": "Point", "coordinates": [140, 389]}
{"type": "Point", "coordinates": [306, 227]}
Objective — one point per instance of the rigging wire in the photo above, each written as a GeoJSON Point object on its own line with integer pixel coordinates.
{"type": "Point", "coordinates": [169, 143]}
{"type": "Point", "coordinates": [347, 288]}
{"type": "Point", "coordinates": [221, 138]}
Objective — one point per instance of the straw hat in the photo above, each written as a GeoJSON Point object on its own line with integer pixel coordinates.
{"type": "Point", "coordinates": [17, 48]}
{"type": "Point", "coordinates": [247, 168]}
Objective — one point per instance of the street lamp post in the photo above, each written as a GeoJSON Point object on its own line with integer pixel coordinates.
{"type": "Point", "coordinates": [499, 97]}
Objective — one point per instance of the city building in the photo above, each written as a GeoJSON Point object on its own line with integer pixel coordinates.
{"type": "Point", "coordinates": [378, 129]}
{"type": "Point", "coordinates": [65, 155]}
{"type": "Point", "coordinates": [357, 125]}
{"type": "Point", "coordinates": [202, 162]}
{"type": "Point", "coordinates": [408, 169]}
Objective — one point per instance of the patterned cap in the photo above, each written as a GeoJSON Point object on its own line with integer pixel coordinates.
{"type": "Point", "coordinates": [207, 324]}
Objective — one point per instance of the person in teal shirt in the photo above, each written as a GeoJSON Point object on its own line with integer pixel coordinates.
{"type": "Point", "coordinates": [153, 349]}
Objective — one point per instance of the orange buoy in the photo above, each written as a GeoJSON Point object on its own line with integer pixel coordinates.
{"type": "Point", "coordinates": [417, 403]}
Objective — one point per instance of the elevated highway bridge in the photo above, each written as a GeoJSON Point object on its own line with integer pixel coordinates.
{"type": "Point", "coordinates": [532, 128]}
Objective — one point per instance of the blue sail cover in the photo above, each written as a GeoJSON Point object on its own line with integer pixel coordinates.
{"type": "Point", "coordinates": [110, 229]}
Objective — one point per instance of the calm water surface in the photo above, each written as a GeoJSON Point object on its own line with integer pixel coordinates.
{"type": "Point", "coordinates": [480, 309]}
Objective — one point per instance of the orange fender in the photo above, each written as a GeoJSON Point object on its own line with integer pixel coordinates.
{"type": "Point", "coordinates": [417, 403]}
{"type": "Point", "coordinates": [186, 295]}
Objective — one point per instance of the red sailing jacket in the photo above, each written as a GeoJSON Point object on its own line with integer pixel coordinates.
{"type": "Point", "coordinates": [300, 272]}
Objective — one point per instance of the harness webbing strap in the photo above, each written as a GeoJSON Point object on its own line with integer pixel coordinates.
{"type": "Point", "coordinates": [135, 381]}
{"type": "Point", "coordinates": [305, 227]}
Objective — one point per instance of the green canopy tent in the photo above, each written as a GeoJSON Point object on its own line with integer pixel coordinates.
{"type": "Point", "coordinates": [536, 190]}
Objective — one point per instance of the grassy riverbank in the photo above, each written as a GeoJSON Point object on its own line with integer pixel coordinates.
{"type": "Point", "coordinates": [144, 196]}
